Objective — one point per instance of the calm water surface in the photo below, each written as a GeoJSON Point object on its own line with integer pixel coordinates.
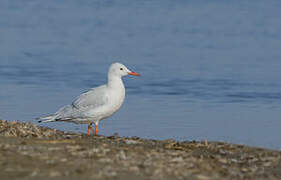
{"type": "Point", "coordinates": [210, 69]}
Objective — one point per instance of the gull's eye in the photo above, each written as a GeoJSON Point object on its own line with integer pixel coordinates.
{"type": "Point", "coordinates": [121, 69]}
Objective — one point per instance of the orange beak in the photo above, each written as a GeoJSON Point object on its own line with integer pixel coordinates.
{"type": "Point", "coordinates": [134, 73]}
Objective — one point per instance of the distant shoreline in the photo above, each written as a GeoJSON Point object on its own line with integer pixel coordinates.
{"type": "Point", "coordinates": [27, 150]}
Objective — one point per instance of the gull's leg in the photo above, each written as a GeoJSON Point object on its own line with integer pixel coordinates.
{"type": "Point", "coordinates": [96, 130]}
{"type": "Point", "coordinates": [89, 128]}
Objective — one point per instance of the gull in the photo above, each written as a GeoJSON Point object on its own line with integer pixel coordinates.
{"type": "Point", "coordinates": [97, 103]}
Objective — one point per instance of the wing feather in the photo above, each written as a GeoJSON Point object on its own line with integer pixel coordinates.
{"type": "Point", "coordinates": [93, 98]}
{"type": "Point", "coordinates": [90, 100]}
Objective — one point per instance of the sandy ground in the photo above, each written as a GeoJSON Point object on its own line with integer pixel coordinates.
{"type": "Point", "coordinates": [31, 152]}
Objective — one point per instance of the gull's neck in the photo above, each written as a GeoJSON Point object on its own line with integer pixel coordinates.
{"type": "Point", "coordinates": [115, 82]}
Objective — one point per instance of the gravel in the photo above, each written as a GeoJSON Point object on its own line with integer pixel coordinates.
{"type": "Point", "coordinates": [28, 151]}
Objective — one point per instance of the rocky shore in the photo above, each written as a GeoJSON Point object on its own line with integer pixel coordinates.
{"type": "Point", "coordinates": [28, 151]}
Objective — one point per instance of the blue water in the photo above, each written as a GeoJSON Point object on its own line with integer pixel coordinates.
{"type": "Point", "coordinates": [210, 69]}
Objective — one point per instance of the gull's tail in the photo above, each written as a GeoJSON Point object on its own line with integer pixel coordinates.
{"type": "Point", "coordinates": [50, 118]}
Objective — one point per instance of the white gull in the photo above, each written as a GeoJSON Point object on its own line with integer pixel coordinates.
{"type": "Point", "coordinates": [96, 104]}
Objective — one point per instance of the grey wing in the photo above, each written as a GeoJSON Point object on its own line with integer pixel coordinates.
{"type": "Point", "coordinates": [93, 98]}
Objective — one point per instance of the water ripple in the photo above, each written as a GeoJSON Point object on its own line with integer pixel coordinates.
{"type": "Point", "coordinates": [80, 75]}
{"type": "Point", "coordinates": [211, 89]}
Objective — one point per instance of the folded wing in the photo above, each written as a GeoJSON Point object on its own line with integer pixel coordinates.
{"type": "Point", "coordinates": [93, 98]}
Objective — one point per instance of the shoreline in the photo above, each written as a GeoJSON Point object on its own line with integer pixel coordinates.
{"type": "Point", "coordinates": [28, 151]}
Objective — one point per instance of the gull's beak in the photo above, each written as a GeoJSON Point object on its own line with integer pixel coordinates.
{"type": "Point", "coordinates": [134, 73]}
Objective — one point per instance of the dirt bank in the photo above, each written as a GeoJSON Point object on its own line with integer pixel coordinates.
{"type": "Point", "coordinates": [31, 152]}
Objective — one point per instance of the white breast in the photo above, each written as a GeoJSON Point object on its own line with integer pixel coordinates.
{"type": "Point", "coordinates": [116, 99]}
{"type": "Point", "coordinates": [115, 96]}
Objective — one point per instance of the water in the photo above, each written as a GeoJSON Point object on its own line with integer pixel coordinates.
{"type": "Point", "coordinates": [210, 69]}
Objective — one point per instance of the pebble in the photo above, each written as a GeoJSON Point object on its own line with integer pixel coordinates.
{"type": "Point", "coordinates": [55, 174]}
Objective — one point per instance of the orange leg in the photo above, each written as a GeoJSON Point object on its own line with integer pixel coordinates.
{"type": "Point", "coordinates": [96, 130]}
{"type": "Point", "coordinates": [89, 128]}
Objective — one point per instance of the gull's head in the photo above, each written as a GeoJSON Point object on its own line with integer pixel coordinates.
{"type": "Point", "coordinates": [119, 70]}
